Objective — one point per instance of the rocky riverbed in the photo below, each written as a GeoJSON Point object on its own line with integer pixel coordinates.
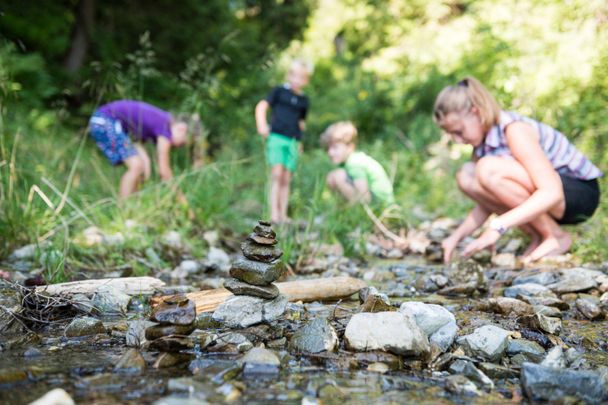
{"type": "Point", "coordinates": [484, 330]}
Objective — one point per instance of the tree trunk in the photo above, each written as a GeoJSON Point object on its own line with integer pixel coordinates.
{"type": "Point", "coordinates": [81, 36]}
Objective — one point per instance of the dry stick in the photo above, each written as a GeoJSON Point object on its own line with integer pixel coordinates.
{"type": "Point", "coordinates": [381, 227]}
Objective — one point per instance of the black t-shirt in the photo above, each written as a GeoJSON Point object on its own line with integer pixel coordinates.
{"type": "Point", "coordinates": [288, 108]}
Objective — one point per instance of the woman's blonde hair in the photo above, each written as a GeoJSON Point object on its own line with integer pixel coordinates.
{"type": "Point", "coordinates": [467, 93]}
{"type": "Point", "coordinates": [342, 131]}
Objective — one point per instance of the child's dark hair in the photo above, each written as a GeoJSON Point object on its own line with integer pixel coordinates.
{"type": "Point", "coordinates": [464, 95]}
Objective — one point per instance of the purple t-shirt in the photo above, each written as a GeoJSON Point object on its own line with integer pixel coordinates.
{"type": "Point", "coordinates": [141, 120]}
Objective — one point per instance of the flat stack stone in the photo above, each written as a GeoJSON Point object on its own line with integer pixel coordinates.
{"type": "Point", "coordinates": [175, 316]}
{"type": "Point", "coordinates": [253, 276]}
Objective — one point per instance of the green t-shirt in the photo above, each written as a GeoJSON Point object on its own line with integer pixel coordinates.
{"type": "Point", "coordinates": [361, 166]}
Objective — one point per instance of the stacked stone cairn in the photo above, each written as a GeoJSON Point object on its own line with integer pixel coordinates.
{"type": "Point", "coordinates": [256, 299]}
{"type": "Point", "coordinates": [175, 316]}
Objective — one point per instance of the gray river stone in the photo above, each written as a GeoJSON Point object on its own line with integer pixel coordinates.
{"type": "Point", "coordinates": [264, 231]}
{"type": "Point", "coordinates": [547, 311]}
{"type": "Point", "coordinates": [507, 306]}
{"type": "Point", "coordinates": [84, 326]}
{"type": "Point", "coordinates": [547, 301]}
{"type": "Point", "coordinates": [589, 307]}
{"type": "Point", "coordinates": [460, 385]}
{"type": "Point", "coordinates": [241, 311]}
{"type": "Point", "coordinates": [261, 253]}
{"type": "Point", "coordinates": [260, 361]}
{"type": "Point", "coordinates": [109, 300]}
{"type": "Point", "coordinates": [175, 310]}
{"type": "Point", "coordinates": [544, 278]}
{"type": "Point", "coordinates": [393, 332]}
{"type": "Point", "coordinates": [542, 383]}
{"type": "Point", "coordinates": [256, 273]}
{"type": "Point", "coordinates": [316, 336]}
{"type": "Point", "coordinates": [488, 342]}
{"type": "Point", "coordinates": [541, 322]}
{"type": "Point", "coordinates": [573, 283]}
{"type": "Point", "coordinates": [237, 287]}
{"type": "Point", "coordinates": [158, 331]}
{"type": "Point", "coordinates": [469, 370]}
{"type": "Point", "coordinates": [132, 360]}
{"type": "Point", "coordinates": [531, 349]}
{"type": "Point", "coordinates": [262, 240]}
{"type": "Point", "coordinates": [528, 289]}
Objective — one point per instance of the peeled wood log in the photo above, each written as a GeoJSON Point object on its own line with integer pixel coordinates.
{"type": "Point", "coordinates": [299, 290]}
{"type": "Point", "coordinates": [128, 285]}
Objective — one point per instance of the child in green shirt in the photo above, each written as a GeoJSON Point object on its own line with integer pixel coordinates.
{"type": "Point", "coordinates": [359, 177]}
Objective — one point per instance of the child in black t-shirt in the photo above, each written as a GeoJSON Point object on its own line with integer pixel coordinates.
{"type": "Point", "coordinates": [289, 107]}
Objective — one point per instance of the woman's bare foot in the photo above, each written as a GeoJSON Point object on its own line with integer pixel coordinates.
{"type": "Point", "coordinates": [551, 246]}
{"type": "Point", "coordinates": [535, 240]}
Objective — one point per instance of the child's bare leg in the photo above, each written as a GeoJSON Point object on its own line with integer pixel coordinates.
{"type": "Point", "coordinates": [130, 180]}
{"type": "Point", "coordinates": [284, 194]}
{"type": "Point", "coordinates": [506, 181]}
{"type": "Point", "coordinates": [470, 186]}
{"type": "Point", "coordinates": [275, 187]}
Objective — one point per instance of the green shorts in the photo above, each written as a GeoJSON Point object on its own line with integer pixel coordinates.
{"type": "Point", "coordinates": [282, 150]}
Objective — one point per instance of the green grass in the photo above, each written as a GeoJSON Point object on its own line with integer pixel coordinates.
{"type": "Point", "coordinates": [54, 183]}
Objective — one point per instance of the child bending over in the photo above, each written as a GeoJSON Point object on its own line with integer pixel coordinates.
{"type": "Point", "coordinates": [524, 171]}
{"type": "Point", "coordinates": [359, 177]}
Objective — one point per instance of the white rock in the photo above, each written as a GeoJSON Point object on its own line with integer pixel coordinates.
{"type": "Point", "coordinates": [393, 332]}
{"type": "Point", "coordinates": [57, 396]}
{"type": "Point", "coordinates": [555, 358]}
{"type": "Point", "coordinates": [489, 342]}
{"type": "Point", "coordinates": [136, 332]}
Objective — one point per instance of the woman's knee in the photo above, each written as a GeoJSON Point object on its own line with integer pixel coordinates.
{"type": "Point", "coordinates": [465, 177]}
{"type": "Point", "coordinates": [489, 170]}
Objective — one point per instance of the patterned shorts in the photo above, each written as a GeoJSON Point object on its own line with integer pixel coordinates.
{"type": "Point", "coordinates": [111, 138]}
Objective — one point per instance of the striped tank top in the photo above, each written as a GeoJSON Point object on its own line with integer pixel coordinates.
{"type": "Point", "coordinates": [564, 156]}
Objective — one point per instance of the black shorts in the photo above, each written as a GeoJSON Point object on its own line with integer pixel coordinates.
{"type": "Point", "coordinates": [582, 198]}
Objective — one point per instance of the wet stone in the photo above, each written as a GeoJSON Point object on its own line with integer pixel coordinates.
{"type": "Point", "coordinates": [469, 370]}
{"type": "Point", "coordinates": [530, 348]}
{"type": "Point", "coordinates": [264, 231]}
{"type": "Point", "coordinates": [84, 326]}
{"type": "Point", "coordinates": [496, 371]}
{"type": "Point", "coordinates": [547, 301]}
{"type": "Point", "coordinates": [261, 253]}
{"type": "Point", "coordinates": [543, 278]}
{"type": "Point", "coordinates": [541, 322]}
{"type": "Point", "coordinates": [262, 240]}
{"type": "Point", "coordinates": [176, 310]}
{"type": "Point", "coordinates": [173, 344]}
{"type": "Point", "coordinates": [542, 383]}
{"type": "Point", "coordinates": [528, 289]}
{"type": "Point", "coordinates": [136, 332]}
{"type": "Point", "coordinates": [589, 308]}
{"type": "Point", "coordinates": [573, 283]}
{"type": "Point", "coordinates": [166, 360]}
{"type": "Point", "coordinates": [158, 331]}
{"type": "Point", "coordinates": [488, 342]}
{"type": "Point", "coordinates": [377, 303]}
{"type": "Point", "coordinates": [315, 337]}
{"type": "Point", "coordinates": [241, 311]}
{"type": "Point", "coordinates": [260, 361]}
{"type": "Point", "coordinates": [547, 311]}
{"type": "Point", "coordinates": [32, 352]}
{"type": "Point", "coordinates": [132, 360]}
{"type": "Point", "coordinates": [240, 288]}
{"type": "Point", "coordinates": [256, 273]}
{"type": "Point", "coordinates": [460, 385]}
{"type": "Point", "coordinates": [507, 306]}
{"type": "Point", "coordinates": [231, 343]}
